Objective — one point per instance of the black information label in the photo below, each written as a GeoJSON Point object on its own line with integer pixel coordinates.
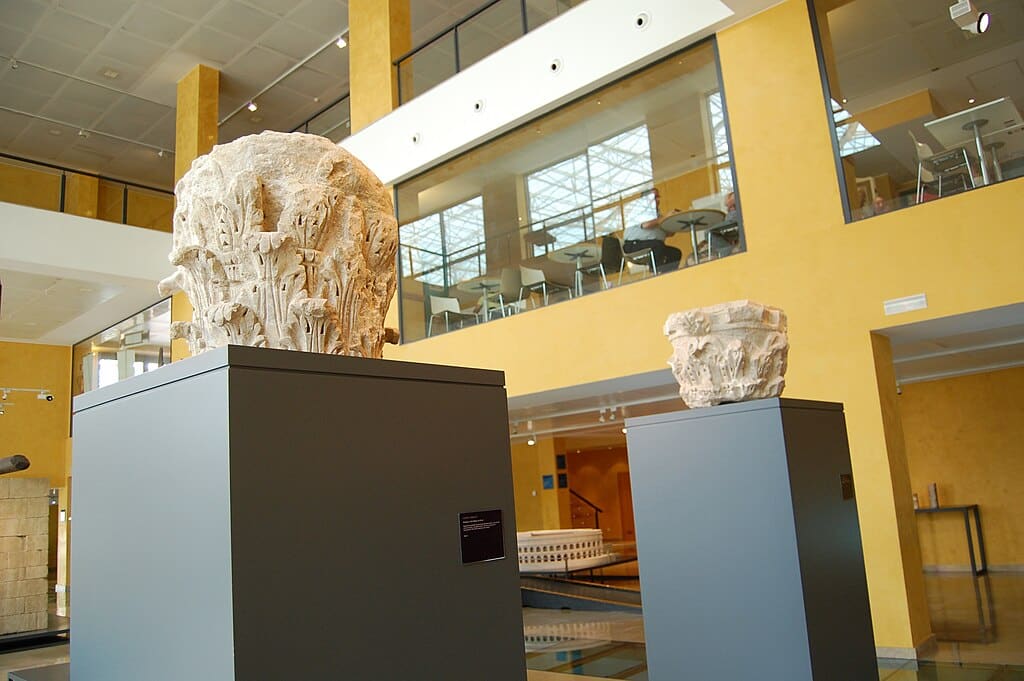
{"type": "Point", "coordinates": [482, 536]}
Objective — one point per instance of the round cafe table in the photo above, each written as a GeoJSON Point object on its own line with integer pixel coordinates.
{"type": "Point", "coordinates": [693, 220]}
{"type": "Point", "coordinates": [581, 255]}
{"type": "Point", "coordinates": [481, 286]}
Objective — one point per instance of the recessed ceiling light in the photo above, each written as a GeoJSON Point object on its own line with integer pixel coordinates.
{"type": "Point", "coordinates": [984, 20]}
{"type": "Point", "coordinates": [110, 73]}
{"type": "Point", "coordinates": [844, 100]}
{"type": "Point", "coordinates": [341, 42]}
{"type": "Point", "coordinates": [55, 132]}
{"type": "Point", "coordinates": [971, 100]}
{"type": "Point", "coordinates": [252, 106]}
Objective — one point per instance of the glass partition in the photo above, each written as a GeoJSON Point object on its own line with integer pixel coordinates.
{"type": "Point", "coordinates": [630, 182]}
{"type": "Point", "coordinates": [924, 105]}
{"type": "Point", "coordinates": [131, 347]}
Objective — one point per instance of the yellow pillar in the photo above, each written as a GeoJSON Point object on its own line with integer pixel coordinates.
{"type": "Point", "coordinates": [81, 195]}
{"type": "Point", "coordinates": [195, 133]}
{"type": "Point", "coordinates": [912, 571]}
{"type": "Point", "coordinates": [379, 31]}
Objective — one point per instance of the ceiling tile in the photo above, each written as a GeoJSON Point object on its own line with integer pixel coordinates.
{"type": "Point", "coordinates": [213, 46]}
{"type": "Point", "coordinates": [257, 68]}
{"type": "Point", "coordinates": [291, 40]}
{"type": "Point", "coordinates": [332, 62]}
{"type": "Point", "coordinates": [310, 83]}
{"type": "Point", "coordinates": [37, 142]}
{"type": "Point", "coordinates": [161, 133]}
{"type": "Point", "coordinates": [11, 125]}
{"type": "Point", "coordinates": [278, 8]}
{"type": "Point", "coordinates": [53, 55]}
{"type": "Point", "coordinates": [326, 18]}
{"type": "Point", "coordinates": [79, 92]}
{"type": "Point", "coordinates": [156, 25]}
{"type": "Point", "coordinates": [107, 12]}
{"type": "Point", "coordinates": [125, 47]}
{"type": "Point", "coordinates": [28, 77]}
{"type": "Point", "coordinates": [190, 9]}
{"type": "Point", "coordinates": [240, 20]}
{"type": "Point", "coordinates": [78, 115]}
{"type": "Point", "coordinates": [96, 65]}
{"type": "Point", "coordinates": [22, 15]}
{"type": "Point", "coordinates": [11, 39]}
{"type": "Point", "coordinates": [72, 31]}
{"type": "Point", "coordinates": [22, 100]}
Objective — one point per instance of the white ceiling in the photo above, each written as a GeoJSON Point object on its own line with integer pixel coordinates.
{"type": "Point", "coordinates": [110, 68]}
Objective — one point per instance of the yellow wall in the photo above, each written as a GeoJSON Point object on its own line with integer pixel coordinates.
{"type": "Point", "coordinates": [830, 277]}
{"type": "Point", "coordinates": [29, 187]}
{"type": "Point", "coordinates": [37, 428]}
{"type": "Point", "coordinates": [965, 434]}
{"type": "Point", "coordinates": [595, 475]}
{"type": "Point", "coordinates": [536, 508]}
{"type": "Point", "coordinates": [150, 210]}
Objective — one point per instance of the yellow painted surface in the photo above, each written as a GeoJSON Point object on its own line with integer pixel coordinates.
{"type": "Point", "coordinates": [594, 475]}
{"type": "Point", "coordinates": [379, 32]}
{"type": "Point", "coordinates": [536, 508]}
{"type": "Point", "coordinates": [831, 278]}
{"type": "Point", "coordinates": [81, 195]}
{"type": "Point", "coordinates": [36, 428]}
{"type": "Point", "coordinates": [195, 128]}
{"type": "Point", "coordinates": [965, 435]}
{"type": "Point", "coordinates": [195, 134]}
{"type": "Point", "coordinates": [150, 210]}
{"type": "Point", "coordinates": [29, 186]}
{"type": "Point", "coordinates": [110, 201]}
{"type": "Point", "coordinates": [917, 105]}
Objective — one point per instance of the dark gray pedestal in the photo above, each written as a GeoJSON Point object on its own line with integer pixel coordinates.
{"type": "Point", "coordinates": [751, 564]}
{"type": "Point", "coordinates": [262, 514]}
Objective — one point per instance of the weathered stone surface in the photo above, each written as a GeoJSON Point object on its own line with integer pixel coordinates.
{"type": "Point", "coordinates": [19, 488]}
{"type": "Point", "coordinates": [284, 240]}
{"type": "Point", "coordinates": [731, 352]}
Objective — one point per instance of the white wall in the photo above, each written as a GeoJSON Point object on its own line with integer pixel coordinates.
{"type": "Point", "coordinates": [129, 261]}
{"type": "Point", "coordinates": [594, 43]}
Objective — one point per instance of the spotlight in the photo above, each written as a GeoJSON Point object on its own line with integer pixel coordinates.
{"type": "Point", "coordinates": [45, 396]}
{"type": "Point", "coordinates": [83, 133]}
{"type": "Point", "coordinates": [341, 42]}
{"type": "Point", "coordinates": [532, 441]}
{"type": "Point", "coordinates": [252, 106]}
{"type": "Point", "coordinates": [160, 153]}
{"type": "Point", "coordinates": [623, 431]}
{"type": "Point", "coordinates": [14, 64]}
{"type": "Point", "coordinates": [965, 15]}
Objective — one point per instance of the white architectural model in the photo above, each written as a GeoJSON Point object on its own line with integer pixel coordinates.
{"type": "Point", "coordinates": [284, 241]}
{"type": "Point", "coordinates": [561, 550]}
{"type": "Point", "coordinates": [730, 352]}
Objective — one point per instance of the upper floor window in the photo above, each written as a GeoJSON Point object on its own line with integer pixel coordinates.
{"type": "Point", "coordinates": [445, 247]}
{"type": "Point", "coordinates": [923, 105]}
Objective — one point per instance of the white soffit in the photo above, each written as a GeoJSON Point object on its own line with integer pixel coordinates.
{"type": "Point", "coordinates": [116, 266]}
{"type": "Point", "coordinates": [590, 45]}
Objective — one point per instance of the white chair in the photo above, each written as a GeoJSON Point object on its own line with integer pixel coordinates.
{"type": "Point", "coordinates": [508, 293]}
{"type": "Point", "coordinates": [933, 167]}
{"type": "Point", "coordinates": [448, 308]}
{"type": "Point", "coordinates": [536, 280]}
{"type": "Point", "coordinates": [636, 260]}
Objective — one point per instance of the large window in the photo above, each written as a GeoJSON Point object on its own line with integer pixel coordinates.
{"type": "Point", "coordinates": [923, 106]}
{"type": "Point", "coordinates": [446, 247]}
{"type": "Point", "coordinates": [544, 213]}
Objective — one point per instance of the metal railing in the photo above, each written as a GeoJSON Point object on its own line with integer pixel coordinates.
{"type": "Point", "coordinates": [59, 199]}
{"type": "Point", "coordinates": [331, 118]}
{"type": "Point", "coordinates": [448, 45]}
{"type": "Point", "coordinates": [589, 507]}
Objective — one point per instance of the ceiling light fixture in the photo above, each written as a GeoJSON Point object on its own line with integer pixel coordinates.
{"type": "Point", "coordinates": [965, 15]}
{"type": "Point", "coordinates": [251, 106]}
{"type": "Point", "coordinates": [341, 42]}
{"type": "Point", "coordinates": [623, 431]}
{"type": "Point", "coordinates": [971, 100]}
{"type": "Point", "coordinates": [160, 153]}
{"type": "Point", "coordinates": [532, 441]}
{"type": "Point", "coordinates": [83, 133]}
{"type": "Point", "coordinates": [600, 419]}
{"type": "Point", "coordinates": [14, 64]}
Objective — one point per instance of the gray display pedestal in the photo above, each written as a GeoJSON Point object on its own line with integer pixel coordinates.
{"type": "Point", "coordinates": [751, 565]}
{"type": "Point", "coordinates": [263, 514]}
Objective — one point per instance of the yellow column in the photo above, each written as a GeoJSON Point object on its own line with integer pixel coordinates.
{"type": "Point", "coordinates": [379, 31]}
{"type": "Point", "coordinates": [81, 195]}
{"type": "Point", "coordinates": [912, 572]}
{"type": "Point", "coordinates": [195, 134]}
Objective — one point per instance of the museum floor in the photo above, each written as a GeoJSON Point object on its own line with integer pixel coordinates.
{"type": "Point", "coordinates": [979, 621]}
